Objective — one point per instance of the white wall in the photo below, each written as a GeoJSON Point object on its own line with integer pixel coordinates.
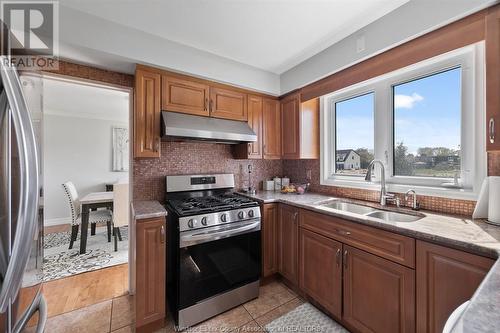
{"type": "Point", "coordinates": [90, 39]}
{"type": "Point", "coordinates": [78, 150]}
{"type": "Point", "coordinates": [407, 22]}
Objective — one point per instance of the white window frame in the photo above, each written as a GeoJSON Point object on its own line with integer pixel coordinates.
{"type": "Point", "coordinates": [473, 147]}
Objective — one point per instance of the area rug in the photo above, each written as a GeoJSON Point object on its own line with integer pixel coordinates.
{"type": "Point", "coordinates": [305, 318]}
{"type": "Point", "coordinates": [61, 262]}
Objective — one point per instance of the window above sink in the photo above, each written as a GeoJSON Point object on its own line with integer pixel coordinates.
{"type": "Point", "coordinates": [425, 122]}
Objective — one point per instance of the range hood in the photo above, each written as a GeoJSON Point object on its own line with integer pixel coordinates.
{"type": "Point", "coordinates": [179, 126]}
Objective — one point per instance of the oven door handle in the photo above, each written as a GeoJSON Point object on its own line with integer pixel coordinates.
{"type": "Point", "coordinates": [188, 240]}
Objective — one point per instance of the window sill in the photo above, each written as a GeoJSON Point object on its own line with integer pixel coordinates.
{"type": "Point", "coordinates": [451, 193]}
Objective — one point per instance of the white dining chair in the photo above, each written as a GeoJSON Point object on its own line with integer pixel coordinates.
{"type": "Point", "coordinates": [120, 210]}
{"type": "Point", "coordinates": [97, 216]}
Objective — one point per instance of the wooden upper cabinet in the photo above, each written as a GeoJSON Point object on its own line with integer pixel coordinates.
{"type": "Point", "coordinates": [290, 127]}
{"type": "Point", "coordinates": [379, 295]}
{"type": "Point", "coordinates": [271, 129]}
{"type": "Point", "coordinates": [320, 270]}
{"type": "Point", "coordinates": [147, 114]}
{"type": "Point", "coordinates": [184, 96]}
{"type": "Point", "coordinates": [493, 79]}
{"type": "Point", "coordinates": [288, 237]}
{"type": "Point", "coordinates": [151, 271]}
{"type": "Point", "coordinates": [269, 239]}
{"type": "Point", "coordinates": [446, 278]}
{"type": "Point", "coordinates": [252, 150]}
{"type": "Point", "coordinates": [300, 128]}
{"type": "Point", "coordinates": [228, 104]}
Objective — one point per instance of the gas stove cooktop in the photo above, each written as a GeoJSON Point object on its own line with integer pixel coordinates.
{"type": "Point", "coordinates": [210, 203]}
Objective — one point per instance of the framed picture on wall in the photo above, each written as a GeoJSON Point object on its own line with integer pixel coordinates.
{"type": "Point", "coordinates": [120, 149]}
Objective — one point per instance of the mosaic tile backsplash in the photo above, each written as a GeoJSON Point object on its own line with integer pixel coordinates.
{"type": "Point", "coordinates": [199, 157]}
{"type": "Point", "coordinates": [178, 158]}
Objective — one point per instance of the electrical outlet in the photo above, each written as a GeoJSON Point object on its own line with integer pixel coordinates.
{"type": "Point", "coordinates": [308, 174]}
{"type": "Point", "coordinates": [360, 44]}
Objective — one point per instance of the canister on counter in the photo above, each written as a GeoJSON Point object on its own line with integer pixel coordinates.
{"type": "Point", "coordinates": [268, 185]}
{"type": "Point", "coordinates": [277, 183]}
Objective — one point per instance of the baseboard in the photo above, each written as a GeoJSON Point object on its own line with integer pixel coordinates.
{"type": "Point", "coordinates": [56, 221]}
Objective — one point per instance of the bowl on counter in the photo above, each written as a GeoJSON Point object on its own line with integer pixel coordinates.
{"type": "Point", "coordinates": [295, 188]}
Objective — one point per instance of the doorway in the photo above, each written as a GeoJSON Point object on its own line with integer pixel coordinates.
{"type": "Point", "coordinates": [85, 144]}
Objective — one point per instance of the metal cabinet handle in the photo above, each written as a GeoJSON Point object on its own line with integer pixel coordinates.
{"type": "Point", "coordinates": [210, 105]}
{"type": "Point", "coordinates": [492, 130]}
{"type": "Point", "coordinates": [295, 216]}
{"type": "Point", "coordinates": [27, 214]}
{"type": "Point", "coordinates": [39, 305]}
{"type": "Point", "coordinates": [162, 234]}
{"type": "Point", "coordinates": [206, 104]}
{"type": "Point", "coordinates": [345, 259]}
{"type": "Point", "coordinates": [337, 257]}
{"type": "Point", "coordinates": [345, 233]}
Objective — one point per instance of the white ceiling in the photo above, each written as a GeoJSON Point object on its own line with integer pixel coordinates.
{"type": "Point", "coordinates": [273, 35]}
{"type": "Point", "coordinates": [65, 98]}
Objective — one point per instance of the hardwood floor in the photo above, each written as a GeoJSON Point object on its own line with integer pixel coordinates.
{"type": "Point", "coordinates": [56, 228]}
{"type": "Point", "coordinates": [85, 289]}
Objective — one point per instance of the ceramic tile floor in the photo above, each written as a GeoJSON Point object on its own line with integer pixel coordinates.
{"type": "Point", "coordinates": [275, 300]}
{"type": "Point", "coordinates": [116, 315]}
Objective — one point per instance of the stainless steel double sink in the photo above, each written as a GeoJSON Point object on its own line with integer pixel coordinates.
{"type": "Point", "coordinates": [385, 215]}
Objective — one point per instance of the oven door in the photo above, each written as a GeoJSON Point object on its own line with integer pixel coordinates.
{"type": "Point", "coordinates": [218, 259]}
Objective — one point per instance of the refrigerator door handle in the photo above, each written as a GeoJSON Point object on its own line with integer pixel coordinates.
{"type": "Point", "coordinates": [39, 305]}
{"type": "Point", "coordinates": [28, 180]}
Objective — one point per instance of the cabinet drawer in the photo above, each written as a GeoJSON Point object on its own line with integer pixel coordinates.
{"type": "Point", "coordinates": [392, 246]}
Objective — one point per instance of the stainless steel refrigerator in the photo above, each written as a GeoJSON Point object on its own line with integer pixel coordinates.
{"type": "Point", "coordinates": [21, 208]}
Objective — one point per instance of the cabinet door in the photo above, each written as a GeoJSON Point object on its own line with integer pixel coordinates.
{"type": "Point", "coordinates": [252, 150]}
{"type": "Point", "coordinates": [147, 114]}
{"type": "Point", "coordinates": [288, 242]}
{"type": "Point", "coordinates": [228, 104]}
{"type": "Point", "coordinates": [290, 127]}
{"type": "Point", "coordinates": [150, 270]}
{"type": "Point", "coordinates": [271, 129]}
{"type": "Point", "coordinates": [270, 240]}
{"type": "Point", "coordinates": [255, 122]}
{"type": "Point", "coordinates": [184, 96]}
{"type": "Point", "coordinates": [379, 295]}
{"type": "Point", "coordinates": [446, 278]}
{"type": "Point", "coordinates": [320, 270]}
{"type": "Point", "coordinates": [493, 78]}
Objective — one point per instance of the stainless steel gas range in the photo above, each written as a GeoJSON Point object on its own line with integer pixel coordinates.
{"type": "Point", "coordinates": [214, 247]}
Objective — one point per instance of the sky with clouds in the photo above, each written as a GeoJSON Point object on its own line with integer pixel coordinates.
{"type": "Point", "coordinates": [427, 114]}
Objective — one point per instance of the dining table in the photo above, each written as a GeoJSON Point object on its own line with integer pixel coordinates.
{"type": "Point", "coordinates": [90, 202]}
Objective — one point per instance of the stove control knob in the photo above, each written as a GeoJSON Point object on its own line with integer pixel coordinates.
{"type": "Point", "coordinates": [192, 223]}
{"type": "Point", "coordinates": [241, 215]}
{"type": "Point", "coordinates": [251, 213]}
{"type": "Point", "coordinates": [204, 221]}
{"type": "Point", "coordinates": [223, 217]}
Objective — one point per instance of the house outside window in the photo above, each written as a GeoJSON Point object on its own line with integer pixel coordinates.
{"type": "Point", "coordinates": [424, 122]}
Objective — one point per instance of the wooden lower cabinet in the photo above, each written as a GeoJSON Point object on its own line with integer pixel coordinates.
{"type": "Point", "coordinates": [446, 278]}
{"type": "Point", "coordinates": [150, 271]}
{"type": "Point", "coordinates": [288, 237]}
{"type": "Point", "coordinates": [379, 295]}
{"type": "Point", "coordinates": [320, 270]}
{"type": "Point", "coordinates": [269, 231]}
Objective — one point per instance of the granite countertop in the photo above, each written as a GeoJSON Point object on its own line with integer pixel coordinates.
{"type": "Point", "coordinates": [475, 236]}
{"type": "Point", "coordinates": [147, 209]}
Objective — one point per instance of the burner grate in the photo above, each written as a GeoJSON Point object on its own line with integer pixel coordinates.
{"type": "Point", "coordinates": [211, 203]}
